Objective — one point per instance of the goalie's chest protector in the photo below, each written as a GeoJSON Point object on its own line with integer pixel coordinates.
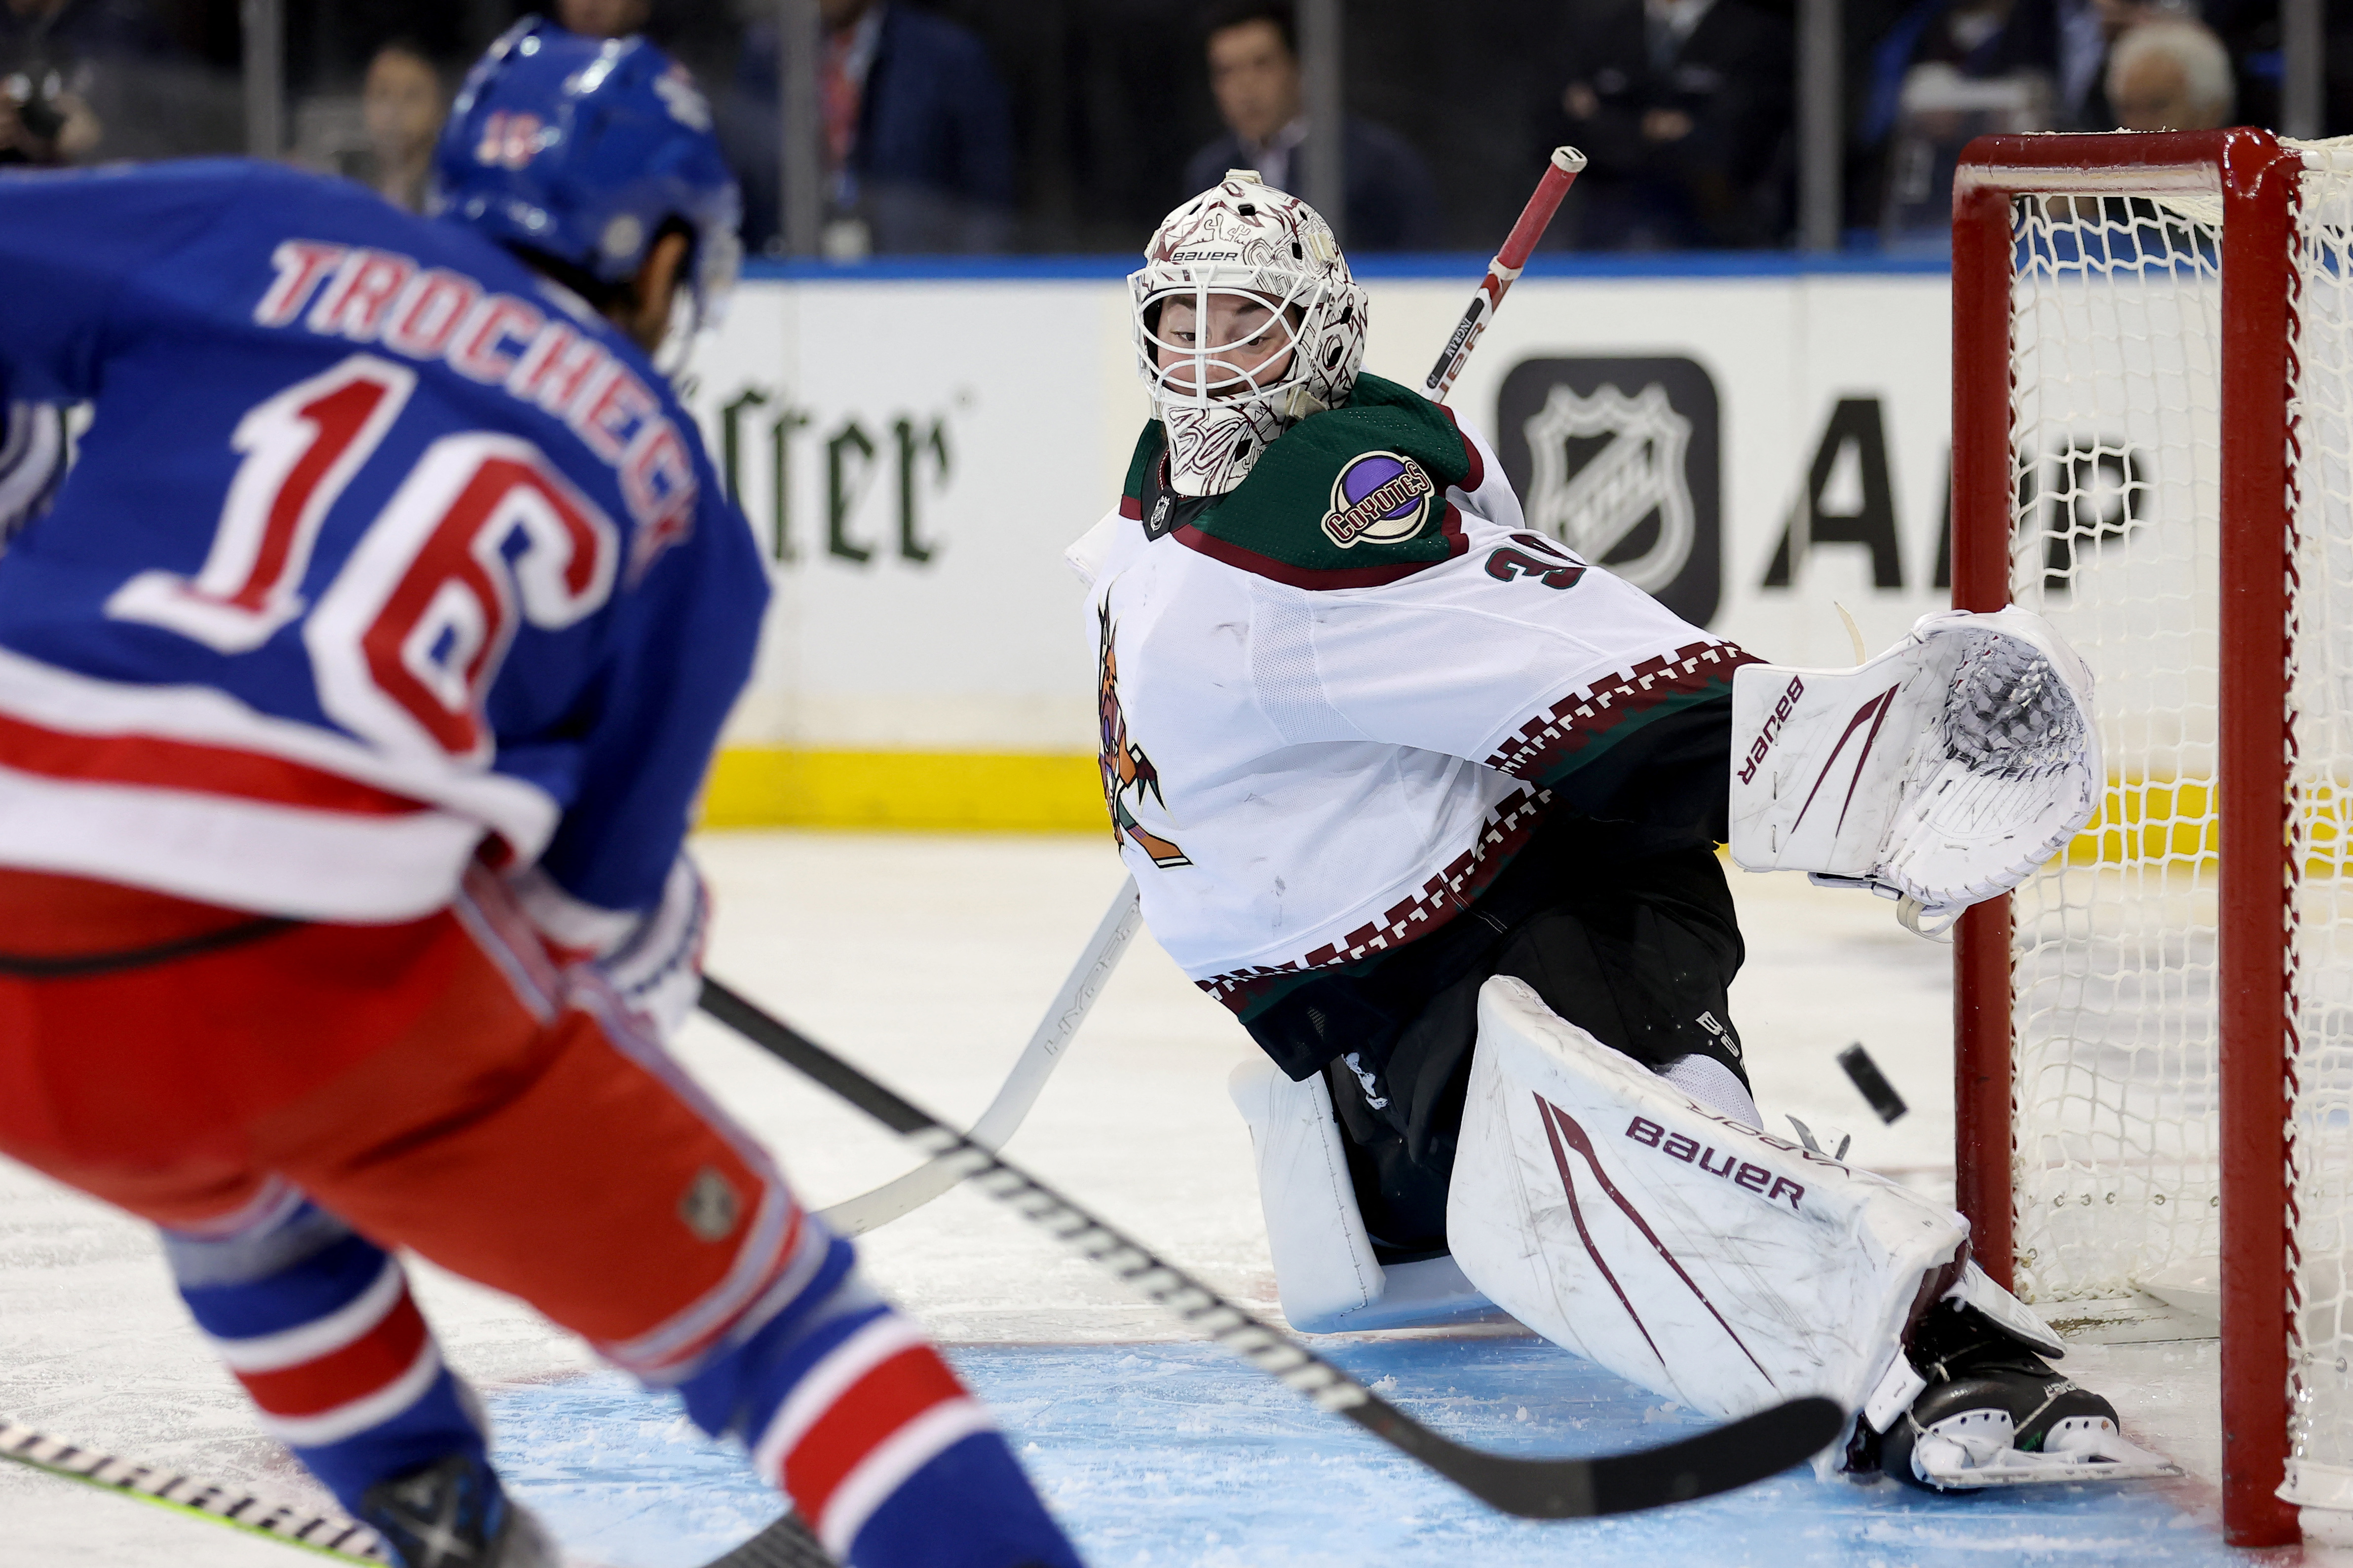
{"type": "Point", "coordinates": [1328, 702]}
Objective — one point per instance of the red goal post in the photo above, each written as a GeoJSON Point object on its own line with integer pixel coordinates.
{"type": "Point", "coordinates": [2131, 1026]}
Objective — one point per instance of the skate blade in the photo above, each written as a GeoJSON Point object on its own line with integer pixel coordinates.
{"type": "Point", "coordinates": [2053, 1473]}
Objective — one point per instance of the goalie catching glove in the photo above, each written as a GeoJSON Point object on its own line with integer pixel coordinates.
{"type": "Point", "coordinates": [1942, 773]}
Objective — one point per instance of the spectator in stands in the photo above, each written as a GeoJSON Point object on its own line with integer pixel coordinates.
{"type": "Point", "coordinates": [402, 107]}
{"type": "Point", "coordinates": [1253, 52]}
{"type": "Point", "coordinates": [2169, 75]}
{"type": "Point", "coordinates": [1684, 107]}
{"type": "Point", "coordinates": [2012, 41]}
{"type": "Point", "coordinates": [1947, 72]}
{"type": "Point", "coordinates": [61, 63]}
{"type": "Point", "coordinates": [603, 18]}
{"type": "Point", "coordinates": [918, 138]}
{"type": "Point", "coordinates": [2086, 31]}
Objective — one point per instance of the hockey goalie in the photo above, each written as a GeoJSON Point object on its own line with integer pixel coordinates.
{"type": "Point", "coordinates": [1431, 803]}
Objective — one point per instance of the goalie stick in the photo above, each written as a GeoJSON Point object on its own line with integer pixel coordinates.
{"type": "Point", "coordinates": [785, 1543]}
{"type": "Point", "coordinates": [1038, 1058]}
{"type": "Point", "coordinates": [1566, 164]}
{"type": "Point", "coordinates": [1727, 1456]}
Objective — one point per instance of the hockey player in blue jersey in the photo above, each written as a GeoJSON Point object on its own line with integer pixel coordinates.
{"type": "Point", "coordinates": [353, 692]}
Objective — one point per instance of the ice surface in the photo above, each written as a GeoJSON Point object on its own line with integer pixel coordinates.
{"type": "Point", "coordinates": [927, 961]}
{"type": "Point", "coordinates": [1164, 1456]}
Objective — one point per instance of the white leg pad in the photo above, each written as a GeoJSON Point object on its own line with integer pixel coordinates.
{"type": "Point", "coordinates": [1975, 1287]}
{"type": "Point", "coordinates": [1325, 1271]}
{"type": "Point", "coordinates": [1721, 1266]}
{"type": "Point", "coordinates": [1324, 1263]}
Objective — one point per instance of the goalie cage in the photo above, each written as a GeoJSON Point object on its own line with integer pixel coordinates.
{"type": "Point", "coordinates": [2153, 447]}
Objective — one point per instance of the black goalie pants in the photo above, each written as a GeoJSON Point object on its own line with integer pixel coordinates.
{"type": "Point", "coordinates": [1641, 958]}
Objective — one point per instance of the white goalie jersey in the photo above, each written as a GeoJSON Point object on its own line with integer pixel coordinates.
{"type": "Point", "coordinates": [1334, 702]}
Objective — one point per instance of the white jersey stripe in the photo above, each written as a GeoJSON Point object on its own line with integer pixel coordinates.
{"type": "Point", "coordinates": [521, 814]}
{"type": "Point", "coordinates": [321, 1336]}
{"type": "Point", "coordinates": [374, 1410]}
{"type": "Point", "coordinates": [885, 1469]}
{"type": "Point", "coordinates": [266, 857]}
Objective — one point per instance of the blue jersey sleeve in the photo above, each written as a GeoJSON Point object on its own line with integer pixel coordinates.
{"type": "Point", "coordinates": [69, 242]}
{"type": "Point", "coordinates": [682, 650]}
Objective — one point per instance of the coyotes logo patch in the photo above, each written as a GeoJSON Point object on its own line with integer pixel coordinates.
{"type": "Point", "coordinates": [1383, 497]}
{"type": "Point", "coordinates": [1126, 771]}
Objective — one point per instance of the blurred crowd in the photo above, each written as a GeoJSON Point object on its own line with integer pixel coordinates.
{"type": "Point", "coordinates": [962, 126]}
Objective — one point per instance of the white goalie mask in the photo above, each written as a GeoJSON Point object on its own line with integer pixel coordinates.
{"type": "Point", "coordinates": [1246, 322]}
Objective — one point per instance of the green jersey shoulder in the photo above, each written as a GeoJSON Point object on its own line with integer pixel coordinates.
{"type": "Point", "coordinates": [1351, 496]}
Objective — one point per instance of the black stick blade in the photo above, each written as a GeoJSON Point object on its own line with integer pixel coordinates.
{"type": "Point", "coordinates": [786, 1544]}
{"type": "Point", "coordinates": [1721, 1459]}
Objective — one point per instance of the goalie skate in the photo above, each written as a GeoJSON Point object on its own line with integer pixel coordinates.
{"type": "Point", "coordinates": [1994, 1414]}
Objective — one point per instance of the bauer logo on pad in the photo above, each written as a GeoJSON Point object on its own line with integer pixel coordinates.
{"type": "Point", "coordinates": [1383, 497]}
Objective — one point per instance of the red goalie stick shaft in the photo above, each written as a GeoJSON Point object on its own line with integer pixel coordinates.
{"type": "Point", "coordinates": [1518, 246]}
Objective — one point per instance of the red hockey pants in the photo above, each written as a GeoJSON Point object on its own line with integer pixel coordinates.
{"type": "Point", "coordinates": [437, 1084]}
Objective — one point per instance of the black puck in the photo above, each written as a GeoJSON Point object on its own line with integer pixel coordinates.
{"type": "Point", "coordinates": [1871, 1082]}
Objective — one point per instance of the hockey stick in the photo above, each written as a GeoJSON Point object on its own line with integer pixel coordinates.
{"type": "Point", "coordinates": [785, 1543]}
{"type": "Point", "coordinates": [328, 1534]}
{"type": "Point", "coordinates": [1733, 1455]}
{"type": "Point", "coordinates": [1518, 246]}
{"type": "Point", "coordinates": [1038, 1058]}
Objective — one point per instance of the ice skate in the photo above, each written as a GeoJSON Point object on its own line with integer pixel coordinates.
{"type": "Point", "coordinates": [1994, 1414]}
{"type": "Point", "coordinates": [453, 1513]}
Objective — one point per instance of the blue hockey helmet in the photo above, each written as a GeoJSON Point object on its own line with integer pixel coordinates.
{"type": "Point", "coordinates": [582, 149]}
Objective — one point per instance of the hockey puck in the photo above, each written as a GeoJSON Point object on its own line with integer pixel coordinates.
{"type": "Point", "coordinates": [1871, 1082]}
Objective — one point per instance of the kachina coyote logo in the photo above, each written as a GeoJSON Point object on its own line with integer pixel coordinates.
{"type": "Point", "coordinates": [1125, 769]}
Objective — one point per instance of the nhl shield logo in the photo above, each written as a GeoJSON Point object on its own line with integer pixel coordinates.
{"type": "Point", "coordinates": [1603, 466]}
{"type": "Point", "coordinates": [1621, 460]}
{"type": "Point", "coordinates": [1383, 497]}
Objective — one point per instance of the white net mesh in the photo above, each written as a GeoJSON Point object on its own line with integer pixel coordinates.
{"type": "Point", "coordinates": [2115, 448]}
{"type": "Point", "coordinates": [2320, 952]}
{"type": "Point", "coordinates": [2116, 424]}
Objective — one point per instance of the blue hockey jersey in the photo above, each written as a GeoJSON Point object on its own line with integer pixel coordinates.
{"type": "Point", "coordinates": [381, 555]}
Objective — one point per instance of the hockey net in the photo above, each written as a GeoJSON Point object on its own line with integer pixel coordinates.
{"type": "Point", "coordinates": [2132, 417]}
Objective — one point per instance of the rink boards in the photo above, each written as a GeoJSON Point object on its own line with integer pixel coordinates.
{"type": "Point", "coordinates": [916, 449]}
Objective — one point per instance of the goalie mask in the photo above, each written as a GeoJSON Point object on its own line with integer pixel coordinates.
{"type": "Point", "coordinates": [1246, 322]}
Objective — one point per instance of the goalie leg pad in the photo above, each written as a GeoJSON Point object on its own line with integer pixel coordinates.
{"type": "Point", "coordinates": [1608, 1210]}
{"type": "Point", "coordinates": [1324, 1270]}
{"type": "Point", "coordinates": [1324, 1263]}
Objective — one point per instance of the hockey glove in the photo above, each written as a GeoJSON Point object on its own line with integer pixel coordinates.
{"type": "Point", "coordinates": [653, 959]}
{"type": "Point", "coordinates": [1943, 772]}
{"type": "Point", "coordinates": [34, 456]}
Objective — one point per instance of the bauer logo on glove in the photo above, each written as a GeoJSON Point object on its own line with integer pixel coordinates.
{"type": "Point", "coordinates": [1942, 773]}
